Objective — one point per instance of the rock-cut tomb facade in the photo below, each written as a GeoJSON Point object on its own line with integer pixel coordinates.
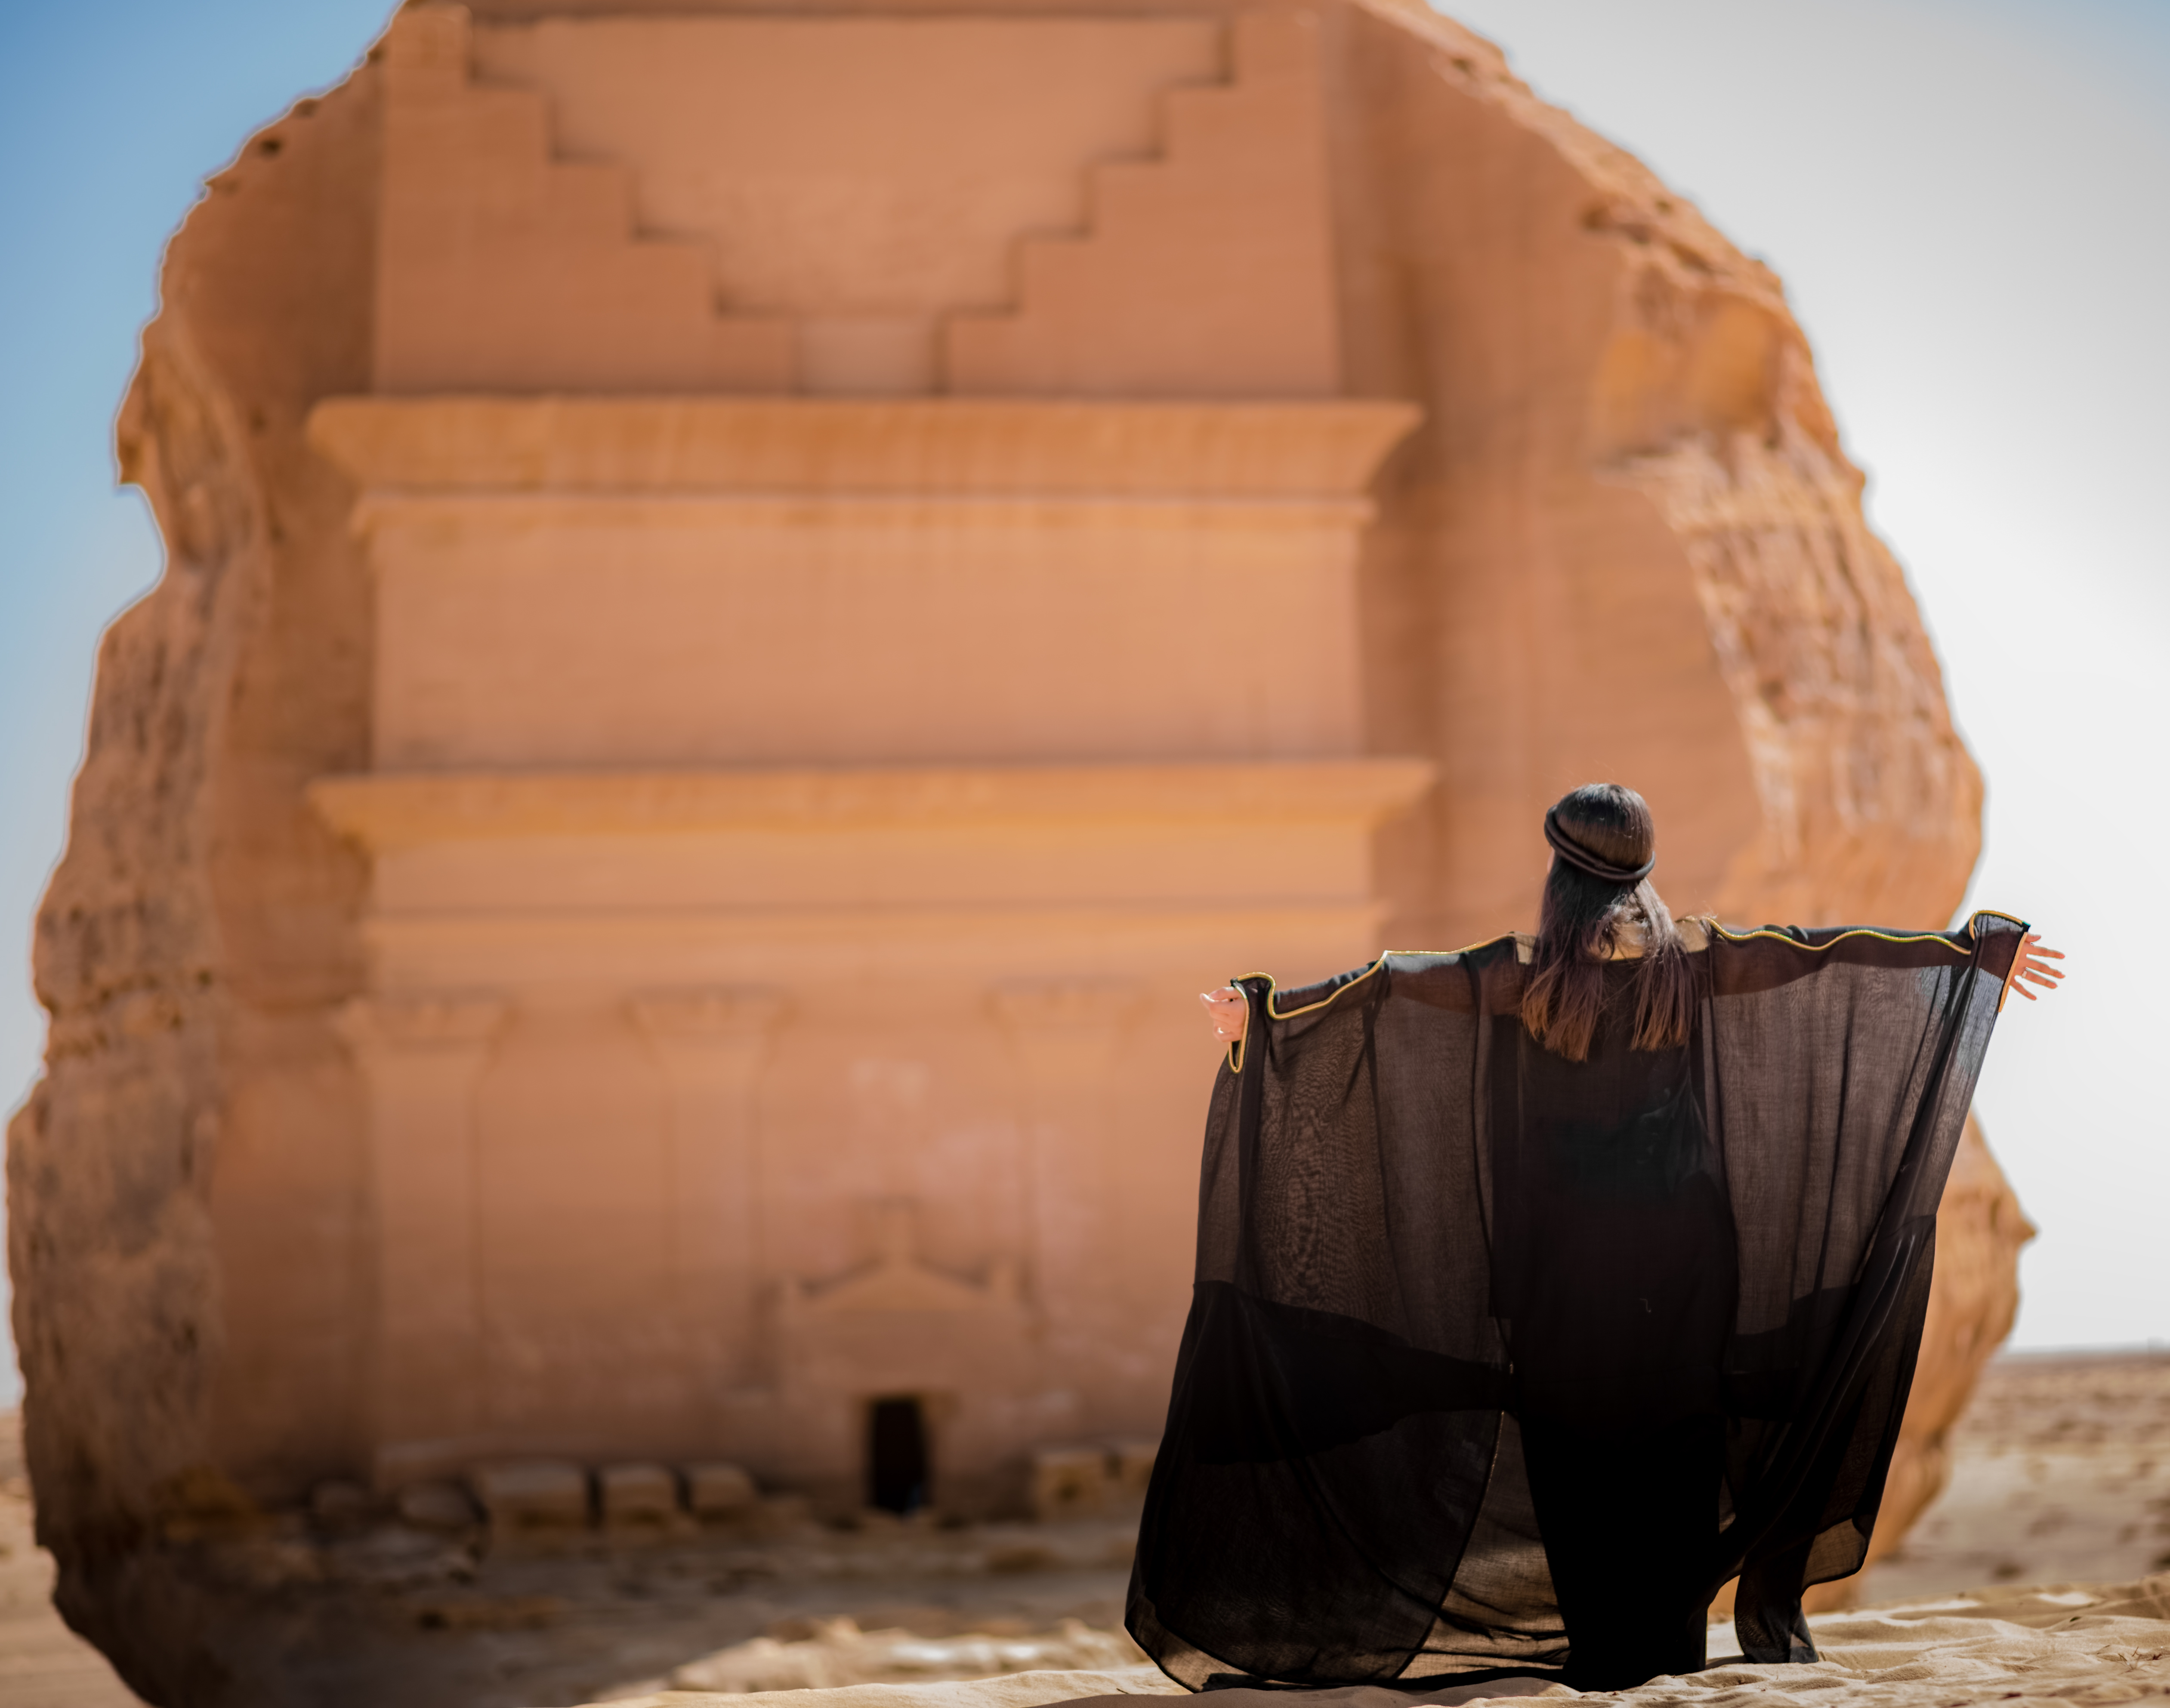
{"type": "Point", "coordinates": [756, 601]}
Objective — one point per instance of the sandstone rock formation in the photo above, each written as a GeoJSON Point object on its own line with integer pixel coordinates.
{"type": "Point", "coordinates": [735, 585]}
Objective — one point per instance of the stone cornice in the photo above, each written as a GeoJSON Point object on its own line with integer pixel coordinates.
{"type": "Point", "coordinates": [505, 514]}
{"type": "Point", "coordinates": [1321, 448]}
{"type": "Point", "coordinates": [392, 809]}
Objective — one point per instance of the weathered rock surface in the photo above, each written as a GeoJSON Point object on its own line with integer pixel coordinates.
{"type": "Point", "coordinates": [198, 924]}
{"type": "Point", "coordinates": [1624, 541]}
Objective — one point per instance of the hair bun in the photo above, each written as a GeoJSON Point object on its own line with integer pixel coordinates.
{"type": "Point", "coordinates": [1583, 860]}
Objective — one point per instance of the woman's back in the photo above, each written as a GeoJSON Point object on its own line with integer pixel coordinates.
{"type": "Point", "coordinates": [1614, 1264]}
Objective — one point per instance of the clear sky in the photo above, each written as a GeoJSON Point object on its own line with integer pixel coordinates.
{"type": "Point", "coordinates": [1968, 200]}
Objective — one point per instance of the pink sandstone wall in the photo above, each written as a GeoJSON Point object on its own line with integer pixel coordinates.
{"type": "Point", "coordinates": [716, 660]}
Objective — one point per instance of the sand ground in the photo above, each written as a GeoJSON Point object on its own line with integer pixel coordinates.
{"type": "Point", "coordinates": [2061, 1475]}
{"type": "Point", "coordinates": [43, 1664]}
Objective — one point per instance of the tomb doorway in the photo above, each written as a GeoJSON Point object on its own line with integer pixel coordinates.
{"type": "Point", "coordinates": [897, 1468]}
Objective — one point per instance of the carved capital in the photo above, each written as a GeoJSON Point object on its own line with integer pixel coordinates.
{"type": "Point", "coordinates": [1065, 1005]}
{"type": "Point", "coordinates": [1066, 1030]}
{"type": "Point", "coordinates": [450, 1020]}
{"type": "Point", "coordinates": [718, 1012]}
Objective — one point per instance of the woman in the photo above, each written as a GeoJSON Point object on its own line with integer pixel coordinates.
{"type": "Point", "coordinates": [1544, 1286]}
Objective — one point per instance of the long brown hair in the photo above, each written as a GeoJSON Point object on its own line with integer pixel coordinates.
{"type": "Point", "coordinates": [1604, 844]}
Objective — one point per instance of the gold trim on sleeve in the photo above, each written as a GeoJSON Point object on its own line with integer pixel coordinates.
{"type": "Point", "coordinates": [1944, 937]}
{"type": "Point", "coordinates": [1273, 987]}
{"type": "Point", "coordinates": [1709, 924]}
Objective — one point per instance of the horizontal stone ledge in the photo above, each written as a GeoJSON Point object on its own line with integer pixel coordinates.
{"type": "Point", "coordinates": [392, 809]}
{"type": "Point", "coordinates": [1319, 447]}
{"type": "Point", "coordinates": [515, 512]}
{"type": "Point", "coordinates": [613, 953]}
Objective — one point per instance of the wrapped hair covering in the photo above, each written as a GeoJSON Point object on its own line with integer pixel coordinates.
{"type": "Point", "coordinates": [1596, 865]}
{"type": "Point", "coordinates": [1500, 1362]}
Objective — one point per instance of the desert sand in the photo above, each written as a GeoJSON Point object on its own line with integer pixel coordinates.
{"type": "Point", "coordinates": [43, 1664]}
{"type": "Point", "coordinates": [2061, 1475]}
{"type": "Point", "coordinates": [2110, 1644]}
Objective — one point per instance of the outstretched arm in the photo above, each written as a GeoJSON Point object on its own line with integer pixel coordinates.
{"type": "Point", "coordinates": [2030, 966]}
{"type": "Point", "coordinates": [1227, 1010]}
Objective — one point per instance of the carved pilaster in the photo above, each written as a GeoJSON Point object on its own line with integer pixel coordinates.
{"type": "Point", "coordinates": [422, 1058]}
{"type": "Point", "coordinates": [712, 1044]}
{"type": "Point", "coordinates": [1067, 1034]}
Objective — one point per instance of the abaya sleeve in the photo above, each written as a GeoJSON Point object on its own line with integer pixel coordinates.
{"type": "Point", "coordinates": [1425, 1244]}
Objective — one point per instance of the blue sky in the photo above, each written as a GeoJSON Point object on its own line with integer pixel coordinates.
{"type": "Point", "coordinates": [1969, 203]}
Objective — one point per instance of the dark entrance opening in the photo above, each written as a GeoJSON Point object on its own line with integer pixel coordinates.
{"type": "Point", "coordinates": [896, 1455]}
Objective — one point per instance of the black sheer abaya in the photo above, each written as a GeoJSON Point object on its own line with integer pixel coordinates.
{"type": "Point", "coordinates": [1498, 1361]}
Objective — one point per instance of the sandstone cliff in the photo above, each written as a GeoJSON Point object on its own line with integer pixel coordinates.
{"type": "Point", "coordinates": [199, 922]}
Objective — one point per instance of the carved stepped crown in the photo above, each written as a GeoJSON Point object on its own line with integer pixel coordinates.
{"type": "Point", "coordinates": [500, 268]}
{"type": "Point", "coordinates": [807, 254]}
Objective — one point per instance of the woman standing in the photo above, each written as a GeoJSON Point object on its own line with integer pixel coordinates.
{"type": "Point", "coordinates": [1545, 1286]}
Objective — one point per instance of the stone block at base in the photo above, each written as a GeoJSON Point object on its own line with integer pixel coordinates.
{"type": "Point", "coordinates": [714, 1491]}
{"type": "Point", "coordinates": [638, 1494]}
{"type": "Point", "coordinates": [1069, 1482]}
{"type": "Point", "coordinates": [1132, 1463]}
{"type": "Point", "coordinates": [533, 1494]}
{"type": "Point", "coordinates": [435, 1505]}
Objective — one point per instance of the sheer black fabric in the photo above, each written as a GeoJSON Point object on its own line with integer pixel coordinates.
{"type": "Point", "coordinates": [1500, 1362]}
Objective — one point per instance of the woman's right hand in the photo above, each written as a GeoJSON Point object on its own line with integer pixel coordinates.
{"type": "Point", "coordinates": [1229, 1010]}
{"type": "Point", "coordinates": [2031, 966]}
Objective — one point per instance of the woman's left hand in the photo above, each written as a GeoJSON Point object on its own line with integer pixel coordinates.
{"type": "Point", "coordinates": [1229, 1010]}
{"type": "Point", "coordinates": [2031, 965]}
